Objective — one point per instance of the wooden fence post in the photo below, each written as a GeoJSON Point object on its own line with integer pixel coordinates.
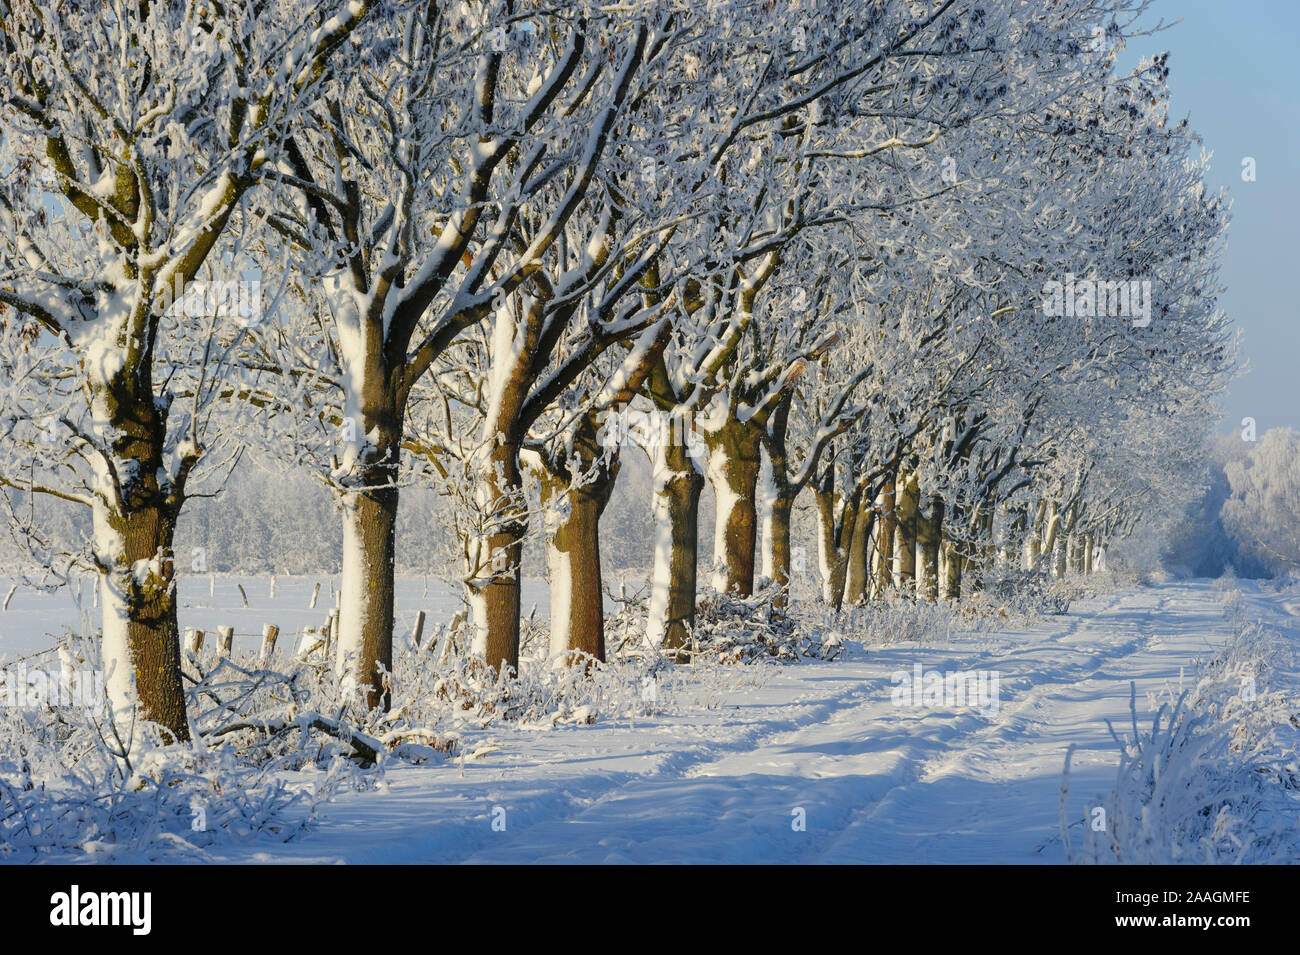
{"type": "Point", "coordinates": [269, 634]}
{"type": "Point", "coordinates": [333, 631]}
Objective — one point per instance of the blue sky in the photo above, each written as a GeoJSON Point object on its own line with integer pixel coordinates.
{"type": "Point", "coordinates": [1235, 75]}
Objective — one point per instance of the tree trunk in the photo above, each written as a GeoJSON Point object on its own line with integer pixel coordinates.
{"type": "Point", "coordinates": [778, 557]}
{"type": "Point", "coordinates": [1058, 553]}
{"type": "Point", "coordinates": [857, 583]}
{"type": "Point", "coordinates": [141, 645]}
{"type": "Point", "coordinates": [833, 534]}
{"type": "Point", "coordinates": [988, 547]}
{"type": "Point", "coordinates": [778, 503]}
{"type": "Point", "coordinates": [1034, 536]}
{"type": "Point", "coordinates": [495, 589]}
{"type": "Point", "coordinates": [366, 604]}
{"type": "Point", "coordinates": [888, 525]}
{"type": "Point", "coordinates": [134, 521]}
{"type": "Point", "coordinates": [368, 499]}
{"type": "Point", "coordinates": [766, 497]}
{"type": "Point", "coordinates": [1065, 542]}
{"type": "Point", "coordinates": [905, 538]}
{"type": "Point", "coordinates": [677, 486]}
{"type": "Point", "coordinates": [929, 529]}
{"type": "Point", "coordinates": [1051, 532]}
{"type": "Point", "coordinates": [573, 556]}
{"type": "Point", "coordinates": [1014, 542]}
{"type": "Point", "coordinates": [833, 565]}
{"type": "Point", "coordinates": [1078, 556]}
{"type": "Point", "coordinates": [734, 461]}
{"type": "Point", "coordinates": [952, 570]}
{"type": "Point", "coordinates": [778, 496]}
{"type": "Point", "coordinates": [976, 551]}
{"type": "Point", "coordinates": [573, 547]}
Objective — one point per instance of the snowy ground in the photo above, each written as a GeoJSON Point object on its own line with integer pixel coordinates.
{"type": "Point", "coordinates": [723, 777]}
{"type": "Point", "coordinates": [877, 783]}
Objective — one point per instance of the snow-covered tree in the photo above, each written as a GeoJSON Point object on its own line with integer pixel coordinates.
{"type": "Point", "coordinates": [1263, 512]}
{"type": "Point", "coordinates": [133, 133]}
{"type": "Point", "coordinates": [455, 131]}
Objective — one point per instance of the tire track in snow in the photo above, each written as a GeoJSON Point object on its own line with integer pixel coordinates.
{"type": "Point", "coordinates": [1005, 796]}
{"type": "Point", "coordinates": [877, 783]}
{"type": "Point", "coordinates": [626, 818]}
{"type": "Point", "coordinates": [914, 758]}
{"type": "Point", "coordinates": [749, 804]}
{"type": "Point", "coordinates": [548, 782]}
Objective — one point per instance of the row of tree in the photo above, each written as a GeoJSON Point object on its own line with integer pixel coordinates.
{"type": "Point", "coordinates": [934, 262]}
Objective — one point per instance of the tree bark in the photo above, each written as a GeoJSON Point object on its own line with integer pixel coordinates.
{"type": "Point", "coordinates": [857, 583]}
{"type": "Point", "coordinates": [495, 598]}
{"type": "Point", "coordinates": [366, 604]}
{"type": "Point", "coordinates": [734, 462]}
{"type": "Point", "coordinates": [834, 533]}
{"type": "Point", "coordinates": [778, 558]}
{"type": "Point", "coordinates": [1016, 528]}
{"type": "Point", "coordinates": [134, 520]}
{"type": "Point", "coordinates": [929, 528]}
{"type": "Point", "coordinates": [677, 486]}
{"type": "Point", "coordinates": [952, 570]}
{"type": "Point", "coordinates": [573, 546]}
{"type": "Point", "coordinates": [905, 538]}
{"type": "Point", "coordinates": [1034, 536]}
{"type": "Point", "coordinates": [888, 525]}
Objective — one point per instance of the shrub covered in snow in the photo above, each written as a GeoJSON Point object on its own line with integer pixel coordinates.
{"type": "Point", "coordinates": [1216, 778]}
{"type": "Point", "coordinates": [272, 743]}
{"type": "Point", "coordinates": [1031, 593]}
{"type": "Point", "coordinates": [72, 782]}
{"type": "Point", "coordinates": [732, 629]}
{"type": "Point", "coordinates": [896, 619]}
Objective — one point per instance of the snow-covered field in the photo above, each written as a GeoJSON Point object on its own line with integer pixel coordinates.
{"type": "Point", "coordinates": [729, 776]}
{"type": "Point", "coordinates": [877, 783]}
{"type": "Point", "coordinates": [34, 620]}
{"type": "Point", "coordinates": [728, 771]}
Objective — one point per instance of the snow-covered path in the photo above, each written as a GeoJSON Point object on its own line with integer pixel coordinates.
{"type": "Point", "coordinates": [875, 782]}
